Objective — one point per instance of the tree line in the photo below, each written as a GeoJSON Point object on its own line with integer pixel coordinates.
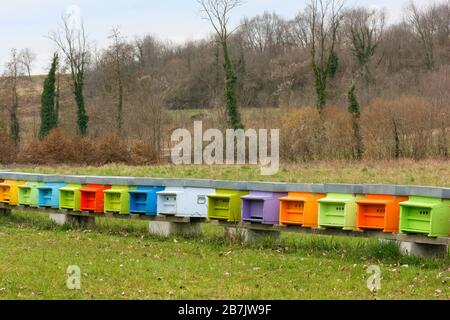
{"type": "Point", "coordinates": [328, 55]}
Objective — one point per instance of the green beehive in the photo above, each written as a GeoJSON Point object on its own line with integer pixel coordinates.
{"type": "Point", "coordinates": [226, 205]}
{"type": "Point", "coordinates": [28, 194]}
{"type": "Point", "coordinates": [70, 197]}
{"type": "Point", "coordinates": [338, 210]}
{"type": "Point", "coordinates": [425, 215]}
{"type": "Point", "coordinates": [117, 199]}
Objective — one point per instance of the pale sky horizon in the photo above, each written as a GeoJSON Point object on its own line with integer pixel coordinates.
{"type": "Point", "coordinates": [27, 23]}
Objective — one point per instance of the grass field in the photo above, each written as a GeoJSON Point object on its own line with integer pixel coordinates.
{"type": "Point", "coordinates": [119, 260]}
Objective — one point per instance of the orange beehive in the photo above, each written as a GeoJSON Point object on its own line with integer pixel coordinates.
{"type": "Point", "coordinates": [379, 212]}
{"type": "Point", "coordinates": [300, 208]}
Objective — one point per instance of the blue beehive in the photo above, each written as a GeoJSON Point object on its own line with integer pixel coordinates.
{"type": "Point", "coordinates": [143, 200]}
{"type": "Point", "coordinates": [48, 194]}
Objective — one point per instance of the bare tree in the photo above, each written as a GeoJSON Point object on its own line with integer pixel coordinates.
{"type": "Point", "coordinates": [27, 58]}
{"type": "Point", "coordinates": [442, 12]}
{"type": "Point", "coordinates": [423, 23]}
{"type": "Point", "coordinates": [319, 27]}
{"type": "Point", "coordinates": [218, 13]}
{"type": "Point", "coordinates": [148, 50]}
{"type": "Point", "coordinates": [149, 100]}
{"type": "Point", "coordinates": [364, 29]}
{"type": "Point", "coordinates": [267, 32]}
{"type": "Point", "coordinates": [72, 41]}
{"type": "Point", "coordinates": [14, 70]}
{"type": "Point", "coordinates": [118, 55]}
{"type": "Point", "coordinates": [299, 31]}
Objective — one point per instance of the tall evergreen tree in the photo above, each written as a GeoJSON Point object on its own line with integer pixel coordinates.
{"type": "Point", "coordinates": [355, 110]}
{"type": "Point", "coordinates": [234, 117]}
{"type": "Point", "coordinates": [218, 13]}
{"type": "Point", "coordinates": [13, 72]}
{"type": "Point", "coordinates": [334, 64]}
{"type": "Point", "coordinates": [72, 41]}
{"type": "Point", "coordinates": [49, 119]}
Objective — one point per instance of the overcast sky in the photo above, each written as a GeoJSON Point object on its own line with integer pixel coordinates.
{"type": "Point", "coordinates": [26, 23]}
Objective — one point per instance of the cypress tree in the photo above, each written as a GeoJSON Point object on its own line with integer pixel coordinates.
{"type": "Point", "coordinates": [49, 118]}
{"type": "Point", "coordinates": [234, 117]}
{"type": "Point", "coordinates": [355, 110]}
{"type": "Point", "coordinates": [334, 64]}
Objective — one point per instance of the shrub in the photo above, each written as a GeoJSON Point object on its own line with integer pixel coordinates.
{"type": "Point", "coordinates": [142, 153]}
{"type": "Point", "coordinates": [111, 149]}
{"type": "Point", "coordinates": [398, 128]}
{"type": "Point", "coordinates": [56, 148]}
{"type": "Point", "coordinates": [8, 149]}
{"type": "Point", "coordinates": [339, 140]}
{"type": "Point", "coordinates": [300, 134]}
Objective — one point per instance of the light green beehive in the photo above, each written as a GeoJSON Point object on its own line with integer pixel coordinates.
{"type": "Point", "coordinates": [117, 199]}
{"type": "Point", "coordinates": [70, 197]}
{"type": "Point", "coordinates": [425, 215]}
{"type": "Point", "coordinates": [338, 210]}
{"type": "Point", "coordinates": [28, 194]}
{"type": "Point", "coordinates": [226, 205]}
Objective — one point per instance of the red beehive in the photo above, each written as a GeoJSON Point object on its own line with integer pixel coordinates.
{"type": "Point", "coordinates": [92, 198]}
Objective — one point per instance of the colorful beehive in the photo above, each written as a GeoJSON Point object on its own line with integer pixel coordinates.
{"type": "Point", "coordinates": [9, 191]}
{"type": "Point", "coordinates": [117, 199]}
{"type": "Point", "coordinates": [92, 198]}
{"type": "Point", "coordinates": [425, 215]}
{"type": "Point", "coordinates": [300, 208]}
{"type": "Point", "coordinates": [225, 205]}
{"type": "Point", "coordinates": [261, 207]}
{"type": "Point", "coordinates": [143, 200]}
{"type": "Point", "coordinates": [379, 212]}
{"type": "Point", "coordinates": [184, 202]}
{"type": "Point", "coordinates": [48, 194]}
{"type": "Point", "coordinates": [338, 210]}
{"type": "Point", "coordinates": [28, 194]}
{"type": "Point", "coordinates": [70, 197]}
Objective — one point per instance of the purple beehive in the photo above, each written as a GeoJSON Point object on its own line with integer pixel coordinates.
{"type": "Point", "coordinates": [262, 207]}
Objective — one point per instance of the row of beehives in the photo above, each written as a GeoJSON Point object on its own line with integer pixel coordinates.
{"type": "Point", "coordinates": [388, 213]}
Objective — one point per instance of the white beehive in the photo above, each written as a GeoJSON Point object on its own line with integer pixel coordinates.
{"type": "Point", "coordinates": [184, 202]}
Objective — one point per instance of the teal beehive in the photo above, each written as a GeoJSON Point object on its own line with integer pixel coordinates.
{"type": "Point", "coordinates": [48, 194]}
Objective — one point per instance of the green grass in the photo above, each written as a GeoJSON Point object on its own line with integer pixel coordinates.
{"type": "Point", "coordinates": [118, 260]}
{"type": "Point", "coordinates": [426, 173]}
